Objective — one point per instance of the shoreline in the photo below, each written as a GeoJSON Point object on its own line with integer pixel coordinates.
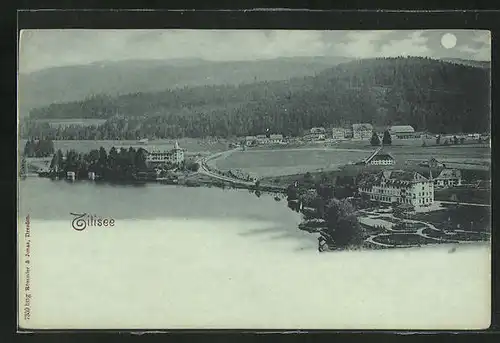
{"type": "Point", "coordinates": [206, 182]}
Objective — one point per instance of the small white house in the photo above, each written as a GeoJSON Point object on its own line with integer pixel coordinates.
{"type": "Point", "coordinates": [380, 158]}
{"type": "Point", "coordinates": [316, 130]}
{"type": "Point", "coordinates": [249, 140]}
{"type": "Point", "coordinates": [338, 133]}
{"type": "Point", "coordinates": [402, 132]}
{"type": "Point", "coordinates": [362, 131]}
{"type": "Point", "coordinates": [448, 178]}
{"type": "Point", "coordinates": [262, 139]}
{"type": "Point", "coordinates": [276, 138]}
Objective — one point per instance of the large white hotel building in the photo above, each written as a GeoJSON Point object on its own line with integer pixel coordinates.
{"type": "Point", "coordinates": [157, 156]}
{"type": "Point", "coordinates": [398, 186]}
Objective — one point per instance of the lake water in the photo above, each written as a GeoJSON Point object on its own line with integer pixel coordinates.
{"type": "Point", "coordinates": [54, 200]}
{"type": "Point", "coordinates": [211, 258]}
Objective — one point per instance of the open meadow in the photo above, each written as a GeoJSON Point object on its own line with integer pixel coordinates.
{"type": "Point", "coordinates": [76, 121]}
{"type": "Point", "coordinates": [282, 161]}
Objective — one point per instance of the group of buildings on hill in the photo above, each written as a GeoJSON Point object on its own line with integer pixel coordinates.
{"type": "Point", "coordinates": [355, 132]}
{"type": "Point", "coordinates": [403, 186]}
{"type": "Point", "coordinates": [407, 187]}
{"type": "Point", "coordinates": [274, 138]}
{"type": "Point", "coordinates": [362, 131]}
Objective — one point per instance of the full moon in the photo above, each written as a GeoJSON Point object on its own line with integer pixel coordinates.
{"type": "Point", "coordinates": [448, 40]}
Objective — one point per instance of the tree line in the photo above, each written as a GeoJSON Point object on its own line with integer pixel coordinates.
{"type": "Point", "coordinates": [38, 148]}
{"type": "Point", "coordinates": [327, 208]}
{"type": "Point", "coordinates": [430, 95]}
{"type": "Point", "coordinates": [115, 165]}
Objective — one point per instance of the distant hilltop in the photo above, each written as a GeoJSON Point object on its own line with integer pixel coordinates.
{"type": "Point", "coordinates": [70, 83]}
{"type": "Point", "coordinates": [430, 95]}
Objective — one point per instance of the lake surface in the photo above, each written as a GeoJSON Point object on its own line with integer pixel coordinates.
{"type": "Point", "coordinates": [211, 258]}
{"type": "Point", "coordinates": [46, 199]}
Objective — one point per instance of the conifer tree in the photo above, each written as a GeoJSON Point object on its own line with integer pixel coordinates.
{"type": "Point", "coordinates": [375, 141]}
{"type": "Point", "coordinates": [387, 139]}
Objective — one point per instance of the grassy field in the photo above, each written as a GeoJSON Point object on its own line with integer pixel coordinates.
{"type": "Point", "coordinates": [291, 161]}
{"type": "Point", "coordinates": [283, 161]}
{"type": "Point", "coordinates": [465, 217]}
{"type": "Point", "coordinates": [67, 122]}
{"type": "Point", "coordinates": [365, 144]}
{"type": "Point", "coordinates": [476, 196]}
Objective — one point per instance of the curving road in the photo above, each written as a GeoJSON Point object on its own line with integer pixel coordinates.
{"type": "Point", "coordinates": [204, 169]}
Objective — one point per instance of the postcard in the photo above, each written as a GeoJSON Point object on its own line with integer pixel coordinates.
{"type": "Point", "coordinates": [254, 179]}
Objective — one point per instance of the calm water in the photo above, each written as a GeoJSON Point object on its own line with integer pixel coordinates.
{"type": "Point", "coordinates": [54, 200]}
{"type": "Point", "coordinates": [211, 258]}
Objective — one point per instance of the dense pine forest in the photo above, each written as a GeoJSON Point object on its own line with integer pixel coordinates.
{"type": "Point", "coordinates": [430, 95]}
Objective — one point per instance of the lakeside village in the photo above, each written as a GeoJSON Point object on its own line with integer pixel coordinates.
{"type": "Point", "coordinates": [360, 132]}
{"type": "Point", "coordinates": [375, 203]}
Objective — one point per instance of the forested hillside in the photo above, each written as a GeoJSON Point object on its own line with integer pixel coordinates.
{"type": "Point", "coordinates": [430, 95]}
{"type": "Point", "coordinates": [70, 83]}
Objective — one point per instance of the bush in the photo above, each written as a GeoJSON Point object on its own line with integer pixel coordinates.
{"type": "Point", "coordinates": [342, 227]}
{"type": "Point", "coordinates": [387, 139]}
{"type": "Point", "coordinates": [375, 141]}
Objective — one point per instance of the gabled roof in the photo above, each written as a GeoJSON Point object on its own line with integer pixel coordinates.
{"type": "Point", "coordinates": [449, 173]}
{"type": "Point", "coordinates": [403, 175]}
{"type": "Point", "coordinates": [363, 126]}
{"type": "Point", "coordinates": [379, 154]}
{"type": "Point", "coordinates": [401, 129]}
{"type": "Point", "coordinates": [316, 129]}
{"type": "Point", "coordinates": [396, 178]}
{"type": "Point", "coordinates": [382, 156]}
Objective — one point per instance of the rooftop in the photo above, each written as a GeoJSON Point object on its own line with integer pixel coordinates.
{"type": "Point", "coordinates": [378, 155]}
{"type": "Point", "coordinates": [363, 126]}
{"type": "Point", "coordinates": [402, 175]}
{"type": "Point", "coordinates": [381, 156]}
{"type": "Point", "coordinates": [318, 129]}
{"type": "Point", "coordinates": [401, 129]}
{"type": "Point", "coordinates": [449, 173]}
{"type": "Point", "coordinates": [396, 178]}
